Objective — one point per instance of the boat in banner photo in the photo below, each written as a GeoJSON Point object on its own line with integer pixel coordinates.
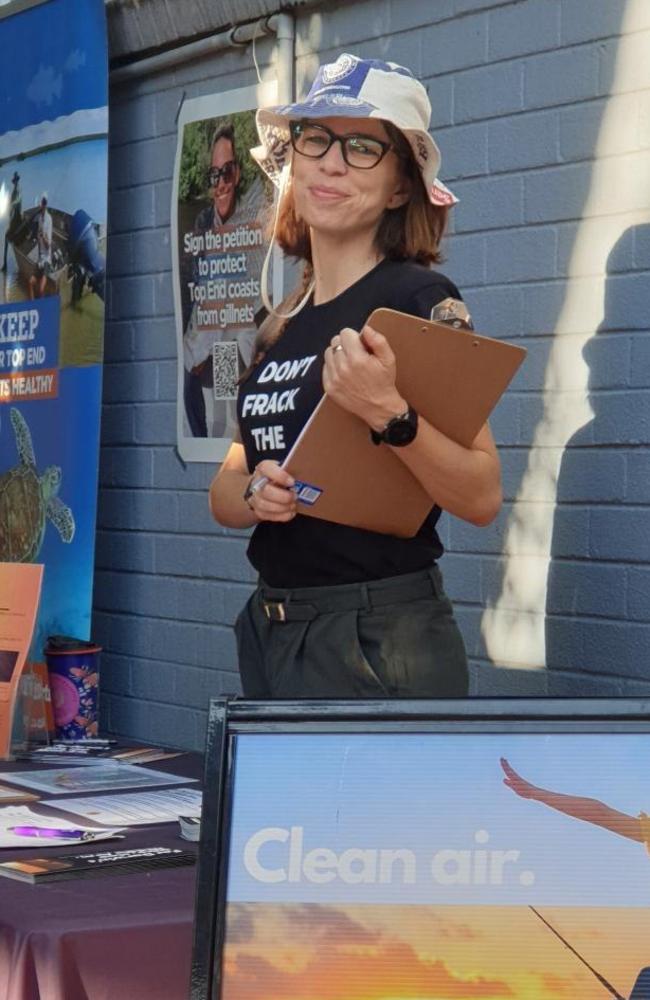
{"type": "Point", "coordinates": [78, 255]}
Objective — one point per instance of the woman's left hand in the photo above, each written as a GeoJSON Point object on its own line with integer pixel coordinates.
{"type": "Point", "coordinates": [359, 374]}
{"type": "Point", "coordinates": [518, 784]}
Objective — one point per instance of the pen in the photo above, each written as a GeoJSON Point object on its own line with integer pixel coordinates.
{"type": "Point", "coordinates": [43, 831]}
{"type": "Point", "coordinates": [258, 484]}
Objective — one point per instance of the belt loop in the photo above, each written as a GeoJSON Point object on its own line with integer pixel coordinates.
{"type": "Point", "coordinates": [365, 594]}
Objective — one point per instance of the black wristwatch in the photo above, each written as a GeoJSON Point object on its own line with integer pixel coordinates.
{"type": "Point", "coordinates": [399, 431]}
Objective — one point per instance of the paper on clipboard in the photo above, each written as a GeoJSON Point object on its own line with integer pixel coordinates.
{"type": "Point", "coordinates": [452, 377]}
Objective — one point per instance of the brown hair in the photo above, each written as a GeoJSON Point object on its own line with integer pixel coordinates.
{"type": "Point", "coordinates": [411, 232]}
{"type": "Point", "coordinates": [226, 132]}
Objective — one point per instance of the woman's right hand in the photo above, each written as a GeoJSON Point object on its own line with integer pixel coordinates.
{"type": "Point", "coordinates": [275, 500]}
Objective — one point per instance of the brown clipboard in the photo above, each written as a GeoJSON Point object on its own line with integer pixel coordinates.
{"type": "Point", "coordinates": [452, 377]}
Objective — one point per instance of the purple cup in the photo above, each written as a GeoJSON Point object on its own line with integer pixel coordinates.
{"type": "Point", "coordinates": [73, 671]}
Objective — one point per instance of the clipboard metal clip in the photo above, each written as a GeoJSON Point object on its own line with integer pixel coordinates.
{"type": "Point", "coordinates": [454, 313]}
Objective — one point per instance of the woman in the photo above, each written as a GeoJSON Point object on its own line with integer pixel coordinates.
{"type": "Point", "coordinates": [579, 807]}
{"type": "Point", "coordinates": [342, 612]}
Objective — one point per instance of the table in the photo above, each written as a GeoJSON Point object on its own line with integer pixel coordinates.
{"type": "Point", "coordinates": [113, 937]}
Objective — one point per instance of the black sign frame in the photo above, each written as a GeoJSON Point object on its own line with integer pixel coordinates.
{"type": "Point", "coordinates": [229, 717]}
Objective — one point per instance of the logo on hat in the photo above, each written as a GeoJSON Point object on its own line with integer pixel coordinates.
{"type": "Point", "coordinates": [343, 66]}
{"type": "Point", "coordinates": [422, 151]}
{"type": "Point", "coordinates": [344, 100]}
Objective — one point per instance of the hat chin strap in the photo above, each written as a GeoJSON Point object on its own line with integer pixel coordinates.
{"type": "Point", "coordinates": [284, 179]}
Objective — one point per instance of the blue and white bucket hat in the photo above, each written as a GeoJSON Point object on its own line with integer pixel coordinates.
{"type": "Point", "coordinates": [353, 87]}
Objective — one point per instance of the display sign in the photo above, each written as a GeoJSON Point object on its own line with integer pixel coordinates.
{"type": "Point", "coordinates": [221, 210]}
{"type": "Point", "coordinates": [20, 588]}
{"type": "Point", "coordinates": [53, 195]}
{"type": "Point", "coordinates": [421, 857]}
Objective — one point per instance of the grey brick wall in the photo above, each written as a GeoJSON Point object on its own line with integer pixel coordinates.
{"type": "Point", "coordinates": [520, 91]}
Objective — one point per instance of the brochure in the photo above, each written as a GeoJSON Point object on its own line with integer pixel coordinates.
{"type": "Point", "coordinates": [102, 776]}
{"type": "Point", "coordinates": [125, 862]}
{"type": "Point", "coordinates": [136, 808]}
{"type": "Point", "coordinates": [20, 590]}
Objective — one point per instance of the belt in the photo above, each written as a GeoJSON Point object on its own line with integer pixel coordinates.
{"type": "Point", "coordinates": [307, 603]}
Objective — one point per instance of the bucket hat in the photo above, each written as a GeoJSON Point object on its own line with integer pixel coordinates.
{"type": "Point", "coordinates": [353, 87]}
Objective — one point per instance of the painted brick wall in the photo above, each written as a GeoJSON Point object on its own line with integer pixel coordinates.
{"type": "Point", "coordinates": [551, 248]}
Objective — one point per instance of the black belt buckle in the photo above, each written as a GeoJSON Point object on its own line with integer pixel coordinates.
{"type": "Point", "coordinates": [274, 611]}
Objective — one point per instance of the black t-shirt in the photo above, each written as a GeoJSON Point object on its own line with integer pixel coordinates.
{"type": "Point", "coordinates": [273, 405]}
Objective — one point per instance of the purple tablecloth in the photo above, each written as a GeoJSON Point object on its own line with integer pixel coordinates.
{"type": "Point", "coordinates": [126, 937]}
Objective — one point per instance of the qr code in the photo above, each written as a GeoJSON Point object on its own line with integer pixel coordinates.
{"type": "Point", "coordinates": [225, 369]}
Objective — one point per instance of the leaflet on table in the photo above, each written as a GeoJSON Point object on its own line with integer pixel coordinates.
{"type": "Point", "coordinates": [86, 865]}
{"type": "Point", "coordinates": [84, 752]}
{"type": "Point", "coordinates": [101, 777]}
{"type": "Point", "coordinates": [8, 795]}
{"type": "Point", "coordinates": [23, 817]}
{"type": "Point", "coordinates": [136, 808]}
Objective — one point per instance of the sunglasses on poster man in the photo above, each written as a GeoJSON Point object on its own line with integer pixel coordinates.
{"type": "Point", "coordinates": [227, 172]}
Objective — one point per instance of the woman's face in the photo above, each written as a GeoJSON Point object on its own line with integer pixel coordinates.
{"type": "Point", "coordinates": [333, 197]}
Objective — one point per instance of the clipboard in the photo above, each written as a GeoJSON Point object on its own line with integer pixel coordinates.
{"type": "Point", "coordinates": [452, 377]}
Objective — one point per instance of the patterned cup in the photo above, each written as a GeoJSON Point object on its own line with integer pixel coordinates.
{"type": "Point", "coordinates": [74, 684]}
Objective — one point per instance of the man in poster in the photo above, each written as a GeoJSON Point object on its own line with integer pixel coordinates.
{"type": "Point", "coordinates": [223, 177]}
{"type": "Point", "coordinates": [44, 244]}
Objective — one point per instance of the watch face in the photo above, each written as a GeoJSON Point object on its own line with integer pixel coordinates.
{"type": "Point", "coordinates": [400, 432]}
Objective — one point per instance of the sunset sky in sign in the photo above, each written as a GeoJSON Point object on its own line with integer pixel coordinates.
{"type": "Point", "coordinates": [311, 952]}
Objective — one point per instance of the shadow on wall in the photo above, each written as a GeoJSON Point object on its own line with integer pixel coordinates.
{"type": "Point", "coordinates": [602, 481]}
{"type": "Point", "coordinates": [588, 635]}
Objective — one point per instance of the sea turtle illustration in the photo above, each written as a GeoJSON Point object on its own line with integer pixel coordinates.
{"type": "Point", "coordinates": [28, 500]}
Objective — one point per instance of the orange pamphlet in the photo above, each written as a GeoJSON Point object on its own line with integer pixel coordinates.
{"type": "Point", "coordinates": [20, 589]}
{"type": "Point", "coordinates": [452, 377]}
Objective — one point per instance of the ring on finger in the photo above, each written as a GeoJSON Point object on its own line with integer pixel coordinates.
{"type": "Point", "coordinates": [339, 347]}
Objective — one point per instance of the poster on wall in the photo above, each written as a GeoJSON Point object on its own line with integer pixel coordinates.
{"type": "Point", "coordinates": [221, 210]}
{"type": "Point", "coordinates": [382, 866]}
{"type": "Point", "coordinates": [53, 201]}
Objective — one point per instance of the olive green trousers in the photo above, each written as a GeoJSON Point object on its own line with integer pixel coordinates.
{"type": "Point", "coordinates": [394, 638]}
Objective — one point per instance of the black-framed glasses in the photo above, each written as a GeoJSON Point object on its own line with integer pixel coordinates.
{"type": "Point", "coordinates": [363, 152]}
{"type": "Point", "coordinates": [216, 173]}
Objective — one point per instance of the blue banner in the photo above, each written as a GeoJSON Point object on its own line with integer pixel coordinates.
{"type": "Point", "coordinates": [29, 337]}
{"type": "Point", "coordinates": [53, 203]}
